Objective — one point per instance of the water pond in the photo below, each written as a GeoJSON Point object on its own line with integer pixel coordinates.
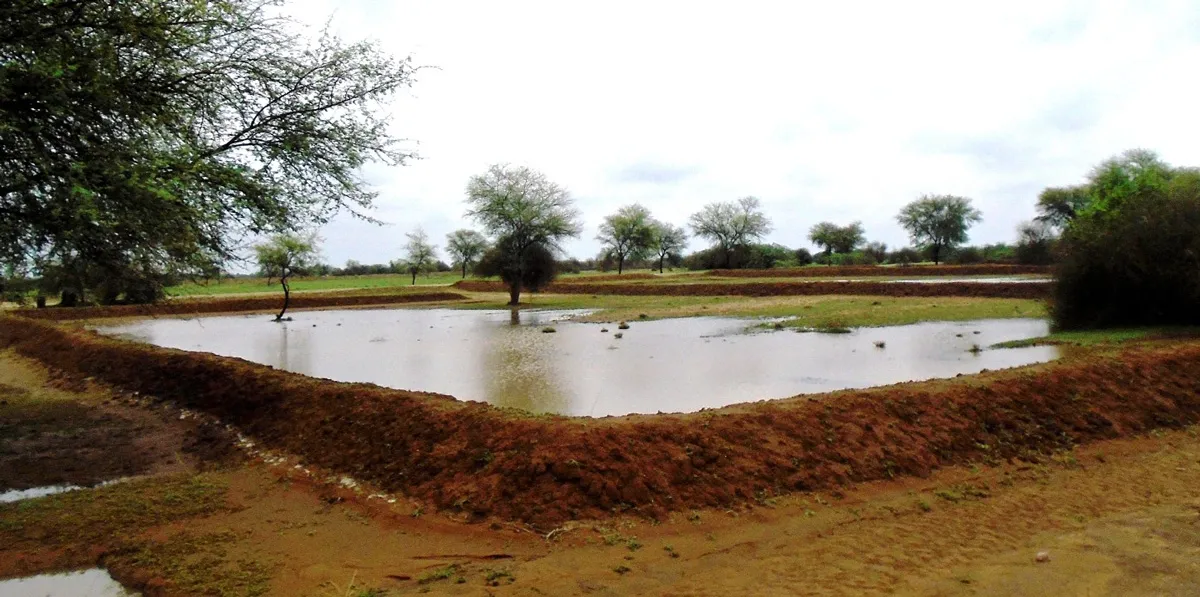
{"type": "Point", "coordinates": [671, 365]}
{"type": "Point", "coordinates": [84, 583]}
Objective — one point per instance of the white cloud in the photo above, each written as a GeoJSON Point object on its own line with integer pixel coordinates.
{"type": "Point", "coordinates": [841, 112]}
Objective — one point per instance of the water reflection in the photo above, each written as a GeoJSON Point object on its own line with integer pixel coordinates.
{"type": "Point", "coordinates": [676, 365]}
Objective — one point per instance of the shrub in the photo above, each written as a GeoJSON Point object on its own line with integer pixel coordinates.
{"type": "Point", "coordinates": [1138, 264]}
{"type": "Point", "coordinates": [905, 256]}
{"type": "Point", "coordinates": [803, 257]}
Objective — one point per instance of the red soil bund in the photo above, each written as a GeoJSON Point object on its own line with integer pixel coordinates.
{"type": "Point", "coordinates": [987, 269]}
{"type": "Point", "coordinates": [571, 279]}
{"type": "Point", "coordinates": [490, 462]}
{"type": "Point", "coordinates": [1018, 290]}
{"type": "Point", "coordinates": [233, 305]}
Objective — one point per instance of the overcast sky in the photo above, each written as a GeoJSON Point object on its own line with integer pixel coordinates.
{"type": "Point", "coordinates": [834, 111]}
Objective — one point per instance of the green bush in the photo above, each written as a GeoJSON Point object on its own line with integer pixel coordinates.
{"type": "Point", "coordinates": [1136, 264]}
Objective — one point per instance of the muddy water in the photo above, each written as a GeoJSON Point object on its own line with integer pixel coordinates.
{"type": "Point", "coordinates": [672, 365]}
{"type": "Point", "coordinates": [84, 583]}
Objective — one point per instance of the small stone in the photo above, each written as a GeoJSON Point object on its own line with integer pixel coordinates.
{"type": "Point", "coordinates": [1042, 557]}
{"type": "Point", "coordinates": [603, 330]}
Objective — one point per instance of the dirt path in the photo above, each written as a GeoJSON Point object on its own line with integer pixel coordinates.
{"type": "Point", "coordinates": [1117, 518]}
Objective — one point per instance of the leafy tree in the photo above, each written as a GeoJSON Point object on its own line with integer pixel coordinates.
{"type": "Point", "coordinates": [282, 256]}
{"type": "Point", "coordinates": [465, 248]}
{"type": "Point", "coordinates": [141, 138]}
{"type": "Point", "coordinates": [823, 234]}
{"type": "Point", "coordinates": [1057, 206]}
{"type": "Point", "coordinates": [1131, 258]}
{"type": "Point", "coordinates": [1035, 242]}
{"type": "Point", "coordinates": [526, 212]}
{"type": "Point", "coordinates": [938, 222]}
{"type": "Point", "coordinates": [803, 256]}
{"type": "Point", "coordinates": [731, 224]}
{"type": "Point", "coordinates": [419, 255]}
{"type": "Point", "coordinates": [837, 239]}
{"type": "Point", "coordinates": [627, 234]}
{"type": "Point", "coordinates": [537, 267]}
{"type": "Point", "coordinates": [668, 242]}
{"type": "Point", "coordinates": [877, 251]}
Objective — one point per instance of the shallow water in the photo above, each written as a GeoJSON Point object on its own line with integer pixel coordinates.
{"type": "Point", "coordinates": [84, 583]}
{"type": "Point", "coordinates": [671, 365]}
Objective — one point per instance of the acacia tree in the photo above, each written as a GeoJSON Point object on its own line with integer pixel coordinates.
{"type": "Point", "coordinates": [627, 234]}
{"type": "Point", "coordinates": [938, 222]}
{"type": "Point", "coordinates": [419, 255]}
{"type": "Point", "coordinates": [465, 248]}
{"type": "Point", "coordinates": [283, 255]}
{"type": "Point", "coordinates": [668, 241]}
{"type": "Point", "coordinates": [837, 239]}
{"type": "Point", "coordinates": [144, 137]}
{"type": "Point", "coordinates": [524, 210]}
{"type": "Point", "coordinates": [731, 224]}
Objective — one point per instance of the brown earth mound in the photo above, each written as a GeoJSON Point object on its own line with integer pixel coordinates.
{"type": "Point", "coordinates": [605, 278]}
{"type": "Point", "coordinates": [986, 269]}
{"type": "Point", "coordinates": [485, 461]}
{"type": "Point", "coordinates": [235, 304]}
{"type": "Point", "coordinates": [1020, 290]}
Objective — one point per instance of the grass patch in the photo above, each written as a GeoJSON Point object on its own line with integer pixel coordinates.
{"type": "Point", "coordinates": [442, 573]}
{"type": "Point", "coordinates": [199, 565]}
{"type": "Point", "coordinates": [110, 515]}
{"type": "Point", "coordinates": [816, 312]}
{"type": "Point", "coordinates": [1100, 337]}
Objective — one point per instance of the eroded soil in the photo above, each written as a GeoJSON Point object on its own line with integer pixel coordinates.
{"type": "Point", "coordinates": [1117, 517]}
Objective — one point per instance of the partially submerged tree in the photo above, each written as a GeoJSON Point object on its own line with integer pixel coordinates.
{"type": "Point", "coordinates": [668, 242]}
{"type": "Point", "coordinates": [282, 256]}
{"type": "Point", "coordinates": [145, 138]}
{"type": "Point", "coordinates": [526, 212]}
{"type": "Point", "coordinates": [938, 222]}
{"type": "Point", "coordinates": [465, 247]}
{"type": "Point", "coordinates": [626, 234]}
{"type": "Point", "coordinates": [731, 224]}
{"type": "Point", "coordinates": [419, 255]}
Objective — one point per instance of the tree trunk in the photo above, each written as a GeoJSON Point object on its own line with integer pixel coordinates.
{"type": "Point", "coordinates": [514, 294]}
{"type": "Point", "coordinates": [464, 264]}
{"type": "Point", "coordinates": [936, 252]}
{"type": "Point", "coordinates": [69, 299]}
{"type": "Point", "coordinates": [620, 265]}
{"type": "Point", "coordinates": [661, 259]}
{"type": "Point", "coordinates": [287, 298]}
{"type": "Point", "coordinates": [414, 280]}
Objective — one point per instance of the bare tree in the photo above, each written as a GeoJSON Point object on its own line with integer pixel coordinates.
{"type": "Point", "coordinates": [731, 224]}
{"type": "Point", "coordinates": [523, 209]}
{"type": "Point", "coordinates": [419, 255]}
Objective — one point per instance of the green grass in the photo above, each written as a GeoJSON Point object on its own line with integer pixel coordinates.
{"type": "Point", "coordinates": [809, 312]}
{"type": "Point", "coordinates": [1107, 336]}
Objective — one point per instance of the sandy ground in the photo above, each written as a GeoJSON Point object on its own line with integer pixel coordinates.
{"type": "Point", "coordinates": [1116, 518]}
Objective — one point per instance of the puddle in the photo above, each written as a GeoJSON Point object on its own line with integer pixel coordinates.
{"type": "Point", "coordinates": [672, 365]}
{"type": "Point", "coordinates": [84, 583]}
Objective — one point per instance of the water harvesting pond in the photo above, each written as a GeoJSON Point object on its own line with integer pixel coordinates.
{"type": "Point", "coordinates": [585, 369]}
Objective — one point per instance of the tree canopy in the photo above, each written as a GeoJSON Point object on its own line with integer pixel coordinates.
{"type": "Point", "coordinates": [627, 234]}
{"type": "Point", "coordinates": [938, 222]}
{"type": "Point", "coordinates": [731, 224]}
{"type": "Point", "coordinates": [465, 247]}
{"type": "Point", "coordinates": [153, 136]}
{"type": "Point", "coordinates": [521, 208]}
